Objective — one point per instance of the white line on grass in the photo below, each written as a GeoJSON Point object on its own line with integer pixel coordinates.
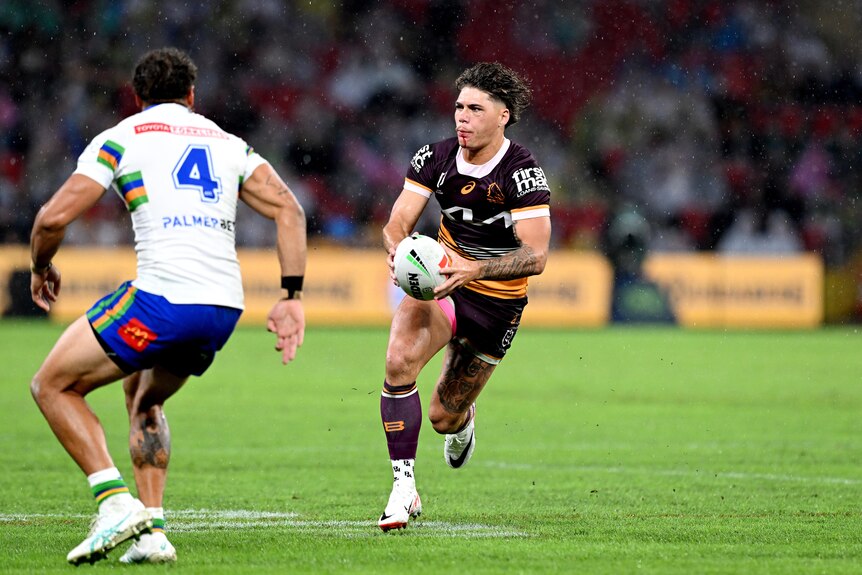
{"type": "Point", "coordinates": [189, 520]}
{"type": "Point", "coordinates": [679, 473]}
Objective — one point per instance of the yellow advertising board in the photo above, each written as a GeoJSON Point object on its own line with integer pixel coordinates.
{"type": "Point", "coordinates": [342, 286]}
{"type": "Point", "coordinates": [720, 291]}
{"type": "Point", "coordinates": [574, 290]}
{"type": "Point", "coordinates": [87, 274]}
{"type": "Point", "coordinates": [351, 287]}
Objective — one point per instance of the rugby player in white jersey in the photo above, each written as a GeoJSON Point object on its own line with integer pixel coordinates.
{"type": "Point", "coordinates": [180, 177]}
{"type": "Point", "coordinates": [496, 228]}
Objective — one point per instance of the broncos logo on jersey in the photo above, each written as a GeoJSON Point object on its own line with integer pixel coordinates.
{"type": "Point", "coordinates": [495, 194]}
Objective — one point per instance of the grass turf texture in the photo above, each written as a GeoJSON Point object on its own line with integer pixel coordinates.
{"type": "Point", "coordinates": [609, 451]}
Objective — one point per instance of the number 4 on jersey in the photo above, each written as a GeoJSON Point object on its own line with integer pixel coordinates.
{"type": "Point", "coordinates": [194, 171]}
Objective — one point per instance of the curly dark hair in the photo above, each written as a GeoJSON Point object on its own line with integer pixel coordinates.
{"type": "Point", "coordinates": [164, 75]}
{"type": "Point", "coordinates": [502, 83]}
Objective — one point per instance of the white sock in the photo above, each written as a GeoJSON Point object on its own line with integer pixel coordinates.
{"type": "Point", "coordinates": [158, 514]}
{"type": "Point", "coordinates": [109, 474]}
{"type": "Point", "coordinates": [402, 472]}
{"type": "Point", "coordinates": [113, 498]}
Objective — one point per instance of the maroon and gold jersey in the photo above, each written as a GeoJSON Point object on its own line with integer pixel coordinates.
{"type": "Point", "coordinates": [480, 203]}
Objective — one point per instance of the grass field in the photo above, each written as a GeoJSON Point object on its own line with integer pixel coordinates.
{"type": "Point", "coordinates": [609, 451]}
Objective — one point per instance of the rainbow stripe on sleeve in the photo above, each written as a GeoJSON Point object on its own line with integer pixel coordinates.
{"type": "Point", "coordinates": [133, 190]}
{"type": "Point", "coordinates": [110, 155]}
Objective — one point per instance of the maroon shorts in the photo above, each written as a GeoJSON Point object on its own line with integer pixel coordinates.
{"type": "Point", "coordinates": [488, 323]}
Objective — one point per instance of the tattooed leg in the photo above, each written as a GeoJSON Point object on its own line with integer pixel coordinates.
{"type": "Point", "coordinates": [150, 448]}
{"type": "Point", "coordinates": [149, 434]}
{"type": "Point", "coordinates": [462, 380]}
{"type": "Point", "coordinates": [150, 443]}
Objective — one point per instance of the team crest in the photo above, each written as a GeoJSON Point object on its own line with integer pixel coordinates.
{"type": "Point", "coordinates": [495, 194]}
{"type": "Point", "coordinates": [137, 335]}
{"type": "Point", "coordinates": [507, 338]}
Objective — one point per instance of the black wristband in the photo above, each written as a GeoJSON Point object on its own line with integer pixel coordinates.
{"type": "Point", "coordinates": [292, 284]}
{"type": "Point", "coordinates": [39, 270]}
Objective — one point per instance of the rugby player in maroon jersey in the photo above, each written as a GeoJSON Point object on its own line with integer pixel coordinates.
{"type": "Point", "coordinates": [496, 228]}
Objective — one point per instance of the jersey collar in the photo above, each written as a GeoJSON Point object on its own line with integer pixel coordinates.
{"type": "Point", "coordinates": [465, 168]}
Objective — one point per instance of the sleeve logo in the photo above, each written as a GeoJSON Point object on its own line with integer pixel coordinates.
{"type": "Point", "coordinates": [530, 180]}
{"type": "Point", "coordinates": [419, 159]}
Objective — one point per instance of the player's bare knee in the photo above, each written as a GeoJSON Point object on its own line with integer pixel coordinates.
{"type": "Point", "coordinates": [41, 390]}
{"type": "Point", "coordinates": [444, 426]}
{"type": "Point", "coordinates": [36, 389]}
{"type": "Point", "coordinates": [401, 368]}
{"type": "Point", "coordinates": [444, 422]}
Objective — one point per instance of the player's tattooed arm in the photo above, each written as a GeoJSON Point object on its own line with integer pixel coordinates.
{"type": "Point", "coordinates": [520, 263]}
{"type": "Point", "coordinates": [273, 181]}
{"type": "Point", "coordinates": [529, 259]}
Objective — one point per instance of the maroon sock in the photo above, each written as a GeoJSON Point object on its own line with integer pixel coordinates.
{"type": "Point", "coordinates": [401, 412]}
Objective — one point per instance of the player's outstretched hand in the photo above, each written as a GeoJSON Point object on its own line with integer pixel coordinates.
{"type": "Point", "coordinates": [287, 321]}
{"type": "Point", "coordinates": [45, 287]}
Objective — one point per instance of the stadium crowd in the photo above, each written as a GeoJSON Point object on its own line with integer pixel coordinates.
{"type": "Point", "coordinates": [732, 126]}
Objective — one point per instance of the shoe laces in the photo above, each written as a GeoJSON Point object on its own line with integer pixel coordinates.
{"type": "Point", "coordinates": [462, 438]}
{"type": "Point", "coordinates": [455, 440]}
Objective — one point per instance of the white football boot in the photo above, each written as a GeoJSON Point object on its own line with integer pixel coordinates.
{"type": "Point", "coordinates": [404, 503]}
{"type": "Point", "coordinates": [119, 519]}
{"type": "Point", "coordinates": [458, 447]}
{"type": "Point", "coordinates": [150, 548]}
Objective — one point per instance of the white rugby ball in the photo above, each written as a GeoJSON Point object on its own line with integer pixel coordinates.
{"type": "Point", "coordinates": [418, 260]}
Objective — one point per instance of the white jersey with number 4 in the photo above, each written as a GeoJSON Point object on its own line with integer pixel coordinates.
{"type": "Point", "coordinates": [179, 175]}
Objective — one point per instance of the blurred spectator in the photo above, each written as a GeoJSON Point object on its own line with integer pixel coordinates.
{"type": "Point", "coordinates": [758, 231]}
{"type": "Point", "coordinates": [732, 125]}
